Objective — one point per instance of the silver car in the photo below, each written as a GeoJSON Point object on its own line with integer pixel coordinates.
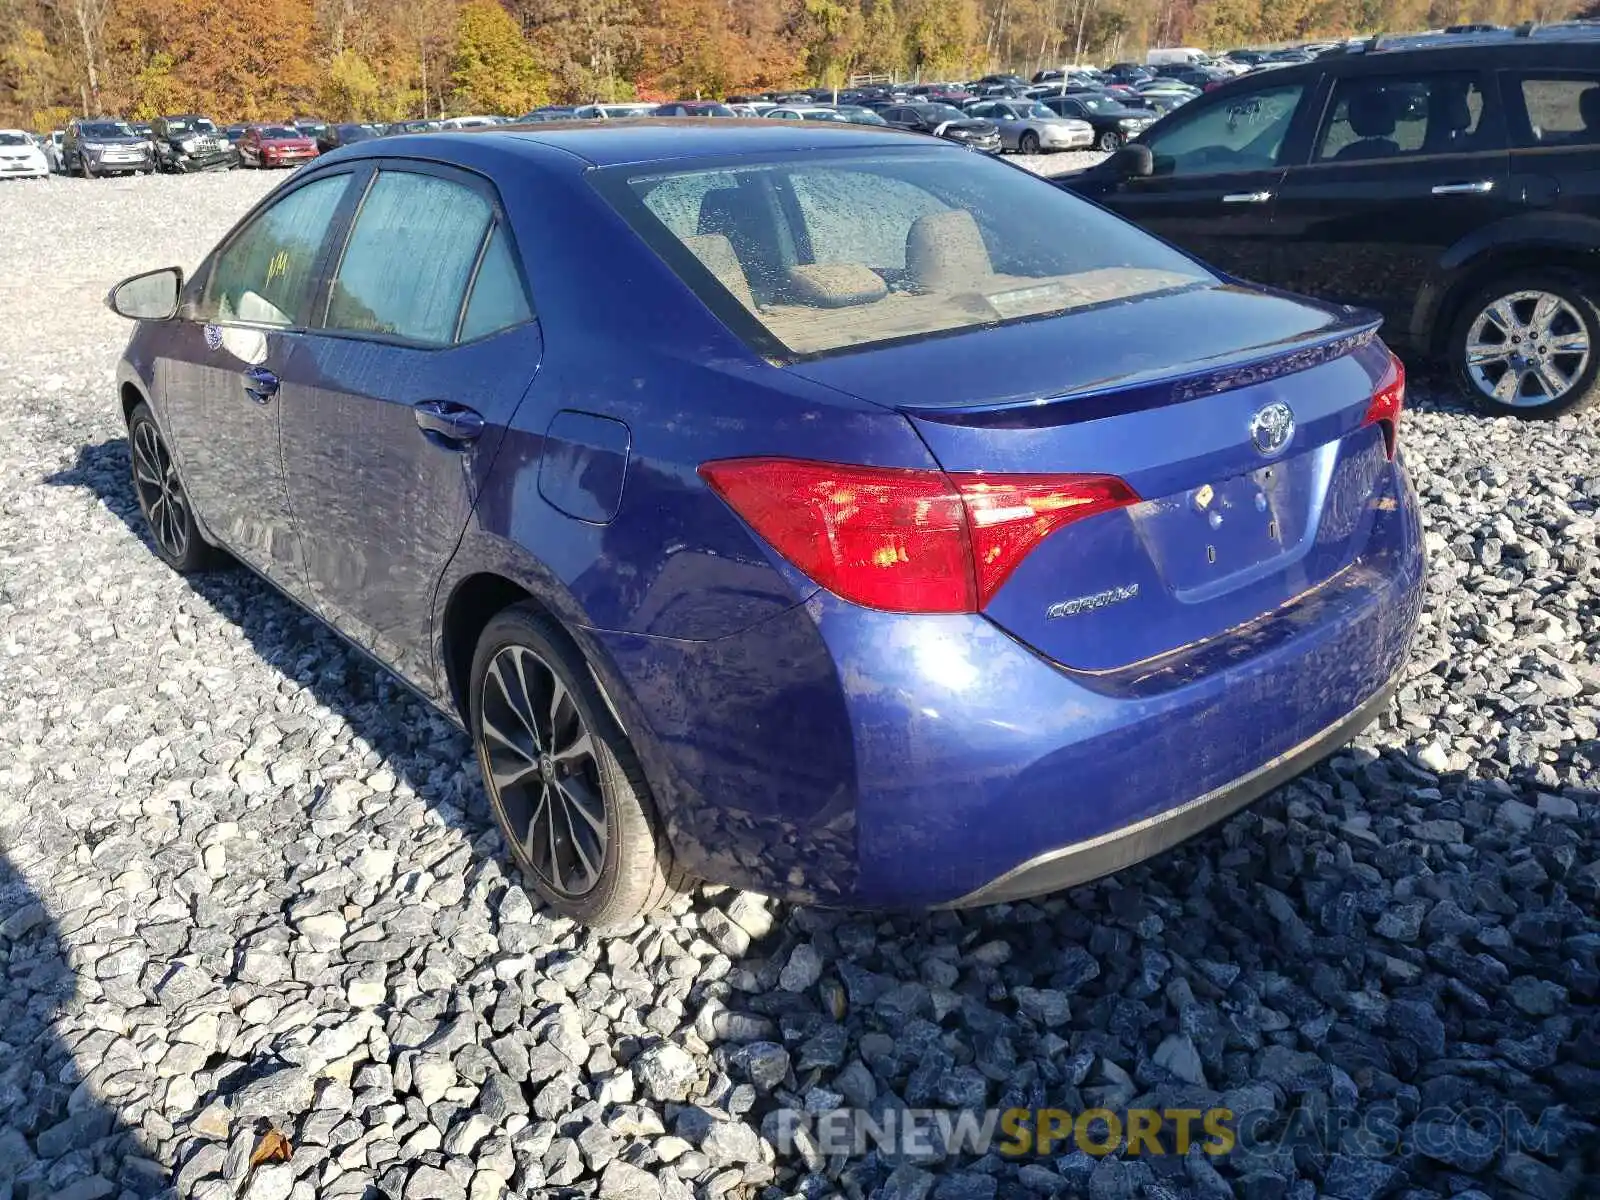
{"type": "Point", "coordinates": [1028, 127]}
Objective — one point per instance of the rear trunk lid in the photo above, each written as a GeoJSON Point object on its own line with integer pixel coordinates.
{"type": "Point", "coordinates": [1182, 397]}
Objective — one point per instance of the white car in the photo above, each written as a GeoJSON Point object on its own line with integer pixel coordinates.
{"type": "Point", "coordinates": [20, 156]}
{"type": "Point", "coordinates": [613, 112]}
{"type": "Point", "coordinates": [804, 112]}
{"type": "Point", "coordinates": [468, 122]}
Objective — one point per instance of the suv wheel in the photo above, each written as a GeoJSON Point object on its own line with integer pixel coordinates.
{"type": "Point", "coordinates": [563, 780]}
{"type": "Point", "coordinates": [1529, 345]}
{"type": "Point", "coordinates": [1110, 141]}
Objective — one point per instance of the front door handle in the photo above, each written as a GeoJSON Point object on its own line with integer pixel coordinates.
{"type": "Point", "coordinates": [453, 425]}
{"type": "Point", "coordinates": [1478, 187]}
{"type": "Point", "coordinates": [1247, 198]}
{"type": "Point", "coordinates": [260, 384]}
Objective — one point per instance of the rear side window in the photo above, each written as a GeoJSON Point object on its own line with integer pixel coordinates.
{"type": "Point", "coordinates": [1390, 116]}
{"type": "Point", "coordinates": [263, 276]}
{"type": "Point", "coordinates": [498, 301]}
{"type": "Point", "coordinates": [1560, 111]}
{"type": "Point", "coordinates": [1241, 133]}
{"type": "Point", "coordinates": [804, 257]}
{"type": "Point", "coordinates": [410, 257]}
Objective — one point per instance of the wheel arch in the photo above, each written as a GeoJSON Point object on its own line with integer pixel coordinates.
{"type": "Point", "coordinates": [131, 396]}
{"type": "Point", "coordinates": [1559, 242]}
{"type": "Point", "coordinates": [473, 602]}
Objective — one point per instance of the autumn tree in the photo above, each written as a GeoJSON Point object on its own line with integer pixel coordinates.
{"type": "Point", "coordinates": [492, 68]}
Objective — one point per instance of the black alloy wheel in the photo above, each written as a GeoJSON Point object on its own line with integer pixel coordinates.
{"type": "Point", "coordinates": [162, 500]}
{"type": "Point", "coordinates": [563, 781]}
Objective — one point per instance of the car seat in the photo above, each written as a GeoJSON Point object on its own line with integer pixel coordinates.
{"type": "Point", "coordinates": [1449, 121]}
{"type": "Point", "coordinates": [737, 214]}
{"type": "Point", "coordinates": [1589, 114]}
{"type": "Point", "coordinates": [945, 252]}
{"type": "Point", "coordinates": [1371, 116]}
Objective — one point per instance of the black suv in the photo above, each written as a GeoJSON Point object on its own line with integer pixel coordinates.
{"type": "Point", "coordinates": [190, 142]}
{"type": "Point", "coordinates": [1451, 183]}
{"type": "Point", "coordinates": [946, 121]}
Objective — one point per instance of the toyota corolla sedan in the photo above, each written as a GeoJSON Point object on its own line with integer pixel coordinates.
{"type": "Point", "coordinates": [819, 510]}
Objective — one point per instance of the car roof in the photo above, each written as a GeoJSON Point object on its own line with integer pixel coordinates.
{"type": "Point", "coordinates": [646, 139]}
{"type": "Point", "coordinates": [1535, 46]}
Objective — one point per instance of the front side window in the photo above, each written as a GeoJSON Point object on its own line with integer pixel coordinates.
{"type": "Point", "coordinates": [409, 258]}
{"type": "Point", "coordinates": [1388, 116]}
{"type": "Point", "coordinates": [882, 247]}
{"type": "Point", "coordinates": [1560, 111]}
{"type": "Point", "coordinates": [1241, 133]}
{"type": "Point", "coordinates": [264, 275]}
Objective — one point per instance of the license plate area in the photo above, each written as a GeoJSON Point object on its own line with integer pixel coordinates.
{"type": "Point", "coordinates": [1204, 538]}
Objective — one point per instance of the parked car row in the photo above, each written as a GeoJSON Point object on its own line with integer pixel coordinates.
{"type": "Point", "coordinates": [187, 142]}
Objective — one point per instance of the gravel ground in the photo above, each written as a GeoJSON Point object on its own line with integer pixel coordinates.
{"type": "Point", "coordinates": [248, 886]}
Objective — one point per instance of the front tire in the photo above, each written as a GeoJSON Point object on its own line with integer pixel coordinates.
{"type": "Point", "coordinates": [1110, 141]}
{"type": "Point", "coordinates": [1528, 345]}
{"type": "Point", "coordinates": [563, 781]}
{"type": "Point", "coordinates": [1028, 143]}
{"type": "Point", "coordinates": [167, 512]}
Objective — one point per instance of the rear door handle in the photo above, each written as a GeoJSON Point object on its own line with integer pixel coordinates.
{"type": "Point", "coordinates": [1478, 187]}
{"type": "Point", "coordinates": [453, 425]}
{"type": "Point", "coordinates": [1247, 198]}
{"type": "Point", "coordinates": [260, 384]}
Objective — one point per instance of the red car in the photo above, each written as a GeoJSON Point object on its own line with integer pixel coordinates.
{"type": "Point", "coordinates": [275, 146]}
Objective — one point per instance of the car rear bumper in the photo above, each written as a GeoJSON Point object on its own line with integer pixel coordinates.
{"type": "Point", "coordinates": [1093, 858]}
{"type": "Point", "coordinates": [837, 755]}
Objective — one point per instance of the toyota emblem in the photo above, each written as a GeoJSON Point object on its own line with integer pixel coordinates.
{"type": "Point", "coordinates": [1272, 428]}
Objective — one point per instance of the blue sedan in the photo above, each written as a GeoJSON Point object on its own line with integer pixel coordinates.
{"type": "Point", "coordinates": [815, 509]}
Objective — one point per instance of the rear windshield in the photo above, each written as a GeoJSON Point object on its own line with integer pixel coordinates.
{"type": "Point", "coordinates": [809, 256]}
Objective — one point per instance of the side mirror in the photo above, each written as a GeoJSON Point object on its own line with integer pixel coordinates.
{"type": "Point", "coordinates": [1133, 161]}
{"type": "Point", "coordinates": [152, 296]}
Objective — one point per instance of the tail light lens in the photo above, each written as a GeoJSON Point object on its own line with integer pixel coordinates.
{"type": "Point", "coordinates": [1387, 402]}
{"type": "Point", "coordinates": [906, 540]}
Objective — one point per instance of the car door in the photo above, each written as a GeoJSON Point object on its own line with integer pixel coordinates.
{"type": "Point", "coordinates": [242, 324]}
{"type": "Point", "coordinates": [1405, 165]}
{"type": "Point", "coordinates": [392, 410]}
{"type": "Point", "coordinates": [1217, 166]}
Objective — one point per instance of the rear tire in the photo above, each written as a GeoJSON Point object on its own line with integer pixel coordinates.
{"type": "Point", "coordinates": [1528, 345]}
{"type": "Point", "coordinates": [1028, 143]}
{"type": "Point", "coordinates": [168, 515]}
{"type": "Point", "coordinates": [563, 781]}
{"type": "Point", "coordinates": [1110, 141]}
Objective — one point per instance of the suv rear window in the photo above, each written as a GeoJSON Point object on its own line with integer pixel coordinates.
{"type": "Point", "coordinates": [812, 256]}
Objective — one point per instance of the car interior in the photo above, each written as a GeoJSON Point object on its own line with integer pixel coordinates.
{"type": "Point", "coordinates": [927, 267]}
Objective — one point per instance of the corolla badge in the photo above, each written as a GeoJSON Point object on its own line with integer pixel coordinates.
{"type": "Point", "coordinates": [1271, 428]}
{"type": "Point", "coordinates": [1083, 604]}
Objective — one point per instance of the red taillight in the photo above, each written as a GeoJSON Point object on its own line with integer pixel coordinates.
{"type": "Point", "coordinates": [906, 540]}
{"type": "Point", "coordinates": [1011, 514]}
{"type": "Point", "coordinates": [1387, 402]}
